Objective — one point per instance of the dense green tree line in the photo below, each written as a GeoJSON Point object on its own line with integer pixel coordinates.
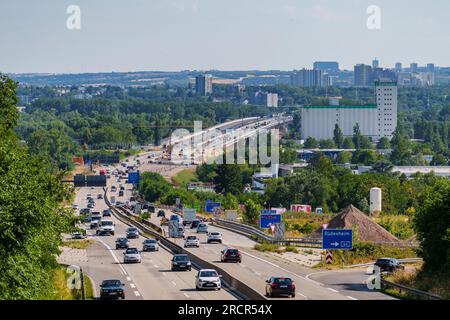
{"type": "Point", "coordinates": [30, 218]}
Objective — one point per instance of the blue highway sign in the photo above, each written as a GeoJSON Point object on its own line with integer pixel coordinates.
{"type": "Point", "coordinates": [265, 220]}
{"type": "Point", "coordinates": [133, 178]}
{"type": "Point", "coordinates": [337, 239]}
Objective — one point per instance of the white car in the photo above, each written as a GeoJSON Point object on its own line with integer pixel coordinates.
{"type": "Point", "coordinates": [214, 237]}
{"type": "Point", "coordinates": [132, 255]}
{"type": "Point", "coordinates": [192, 241]}
{"type": "Point", "coordinates": [106, 227]}
{"type": "Point", "coordinates": [208, 279]}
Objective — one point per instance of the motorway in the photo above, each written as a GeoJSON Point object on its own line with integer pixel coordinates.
{"type": "Point", "coordinates": [150, 280]}
{"type": "Point", "coordinates": [257, 267]}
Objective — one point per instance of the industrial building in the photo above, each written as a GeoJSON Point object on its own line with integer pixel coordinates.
{"type": "Point", "coordinates": [375, 121]}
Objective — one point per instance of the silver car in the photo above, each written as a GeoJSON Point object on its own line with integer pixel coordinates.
{"type": "Point", "coordinates": [202, 228]}
{"type": "Point", "coordinates": [132, 255]}
{"type": "Point", "coordinates": [150, 245]}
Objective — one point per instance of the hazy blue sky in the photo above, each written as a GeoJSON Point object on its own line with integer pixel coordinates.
{"type": "Point", "coordinates": [132, 35]}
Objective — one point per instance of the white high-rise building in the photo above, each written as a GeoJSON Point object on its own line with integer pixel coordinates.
{"type": "Point", "coordinates": [386, 97]}
{"type": "Point", "coordinates": [375, 121]}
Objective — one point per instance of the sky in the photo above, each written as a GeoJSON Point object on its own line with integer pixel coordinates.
{"type": "Point", "coordinates": [173, 35]}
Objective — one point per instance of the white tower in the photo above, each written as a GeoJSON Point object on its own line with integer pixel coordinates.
{"type": "Point", "coordinates": [375, 200]}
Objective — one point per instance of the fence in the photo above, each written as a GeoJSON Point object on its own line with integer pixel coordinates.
{"type": "Point", "coordinates": [415, 292]}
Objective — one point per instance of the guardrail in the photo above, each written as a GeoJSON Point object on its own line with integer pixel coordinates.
{"type": "Point", "coordinates": [237, 286]}
{"type": "Point", "coordinates": [416, 292]}
{"type": "Point", "coordinates": [257, 234]}
{"type": "Point", "coordinates": [407, 260]}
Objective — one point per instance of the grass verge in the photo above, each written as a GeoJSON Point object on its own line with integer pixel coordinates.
{"type": "Point", "coordinates": [77, 244]}
{"type": "Point", "coordinates": [62, 290]}
{"type": "Point", "coordinates": [182, 178]}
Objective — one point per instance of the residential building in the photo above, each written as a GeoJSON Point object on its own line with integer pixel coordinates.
{"type": "Point", "coordinates": [307, 78]}
{"type": "Point", "coordinates": [203, 84]}
{"type": "Point", "coordinates": [413, 68]}
{"type": "Point", "coordinates": [375, 63]}
{"type": "Point", "coordinates": [328, 66]}
{"type": "Point", "coordinates": [398, 67]}
{"type": "Point", "coordinates": [265, 99]}
{"type": "Point", "coordinates": [363, 75]}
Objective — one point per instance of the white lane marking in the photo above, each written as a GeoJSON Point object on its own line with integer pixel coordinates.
{"type": "Point", "coordinates": [318, 283]}
{"type": "Point", "coordinates": [132, 285]}
{"type": "Point", "coordinates": [301, 294]}
{"type": "Point", "coordinates": [258, 273]}
{"type": "Point", "coordinates": [113, 255]}
{"type": "Point", "coordinates": [351, 298]}
{"type": "Point", "coordinates": [128, 279]}
{"type": "Point", "coordinates": [164, 274]}
{"type": "Point", "coordinates": [186, 295]}
{"type": "Point", "coordinates": [173, 282]}
{"type": "Point", "coordinates": [331, 289]}
{"type": "Point", "coordinates": [156, 266]}
{"type": "Point", "coordinates": [137, 294]}
{"type": "Point", "coordinates": [258, 258]}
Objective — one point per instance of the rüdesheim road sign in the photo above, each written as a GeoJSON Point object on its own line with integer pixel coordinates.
{"type": "Point", "coordinates": [337, 239]}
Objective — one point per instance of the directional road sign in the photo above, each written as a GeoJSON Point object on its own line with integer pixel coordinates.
{"type": "Point", "coordinates": [329, 257]}
{"type": "Point", "coordinates": [337, 239]}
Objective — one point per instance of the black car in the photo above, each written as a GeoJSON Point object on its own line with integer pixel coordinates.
{"type": "Point", "coordinates": [91, 205]}
{"type": "Point", "coordinates": [195, 224]}
{"type": "Point", "coordinates": [85, 211]}
{"type": "Point", "coordinates": [106, 213]}
{"type": "Point", "coordinates": [280, 286]}
{"type": "Point", "coordinates": [99, 196]}
{"type": "Point", "coordinates": [231, 254]}
{"type": "Point", "coordinates": [132, 233]}
{"type": "Point", "coordinates": [121, 193]}
{"type": "Point", "coordinates": [181, 262]}
{"type": "Point", "coordinates": [161, 213]}
{"type": "Point", "coordinates": [122, 243]}
{"type": "Point", "coordinates": [112, 289]}
{"type": "Point", "coordinates": [389, 264]}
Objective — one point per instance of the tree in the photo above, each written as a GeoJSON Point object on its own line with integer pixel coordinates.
{"type": "Point", "coordinates": [357, 136]}
{"type": "Point", "coordinates": [383, 143]}
{"type": "Point", "coordinates": [382, 166]}
{"type": "Point", "coordinates": [230, 202]}
{"type": "Point", "coordinates": [338, 136]}
{"type": "Point", "coordinates": [251, 212]}
{"type": "Point", "coordinates": [401, 150]}
{"type": "Point", "coordinates": [439, 160]}
{"type": "Point", "coordinates": [228, 179]}
{"type": "Point", "coordinates": [326, 144]}
{"type": "Point", "coordinates": [153, 186]}
{"type": "Point", "coordinates": [348, 143]}
{"type": "Point", "coordinates": [31, 220]}
{"type": "Point", "coordinates": [344, 157]}
{"type": "Point", "coordinates": [310, 143]}
{"type": "Point", "coordinates": [432, 223]}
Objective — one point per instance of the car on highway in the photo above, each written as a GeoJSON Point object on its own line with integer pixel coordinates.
{"type": "Point", "coordinates": [85, 211]}
{"type": "Point", "coordinates": [161, 213]}
{"type": "Point", "coordinates": [181, 262]}
{"type": "Point", "coordinates": [113, 189]}
{"type": "Point", "coordinates": [105, 227]}
{"type": "Point", "coordinates": [192, 241]}
{"type": "Point", "coordinates": [88, 196]}
{"type": "Point", "coordinates": [112, 289]}
{"type": "Point", "coordinates": [230, 254]}
{"type": "Point", "coordinates": [195, 224]}
{"type": "Point", "coordinates": [132, 233]}
{"type": "Point", "coordinates": [78, 236]}
{"type": "Point", "coordinates": [121, 193]}
{"type": "Point", "coordinates": [214, 237]}
{"type": "Point", "coordinates": [99, 196]}
{"type": "Point", "coordinates": [91, 205]}
{"type": "Point", "coordinates": [132, 255]}
{"type": "Point", "coordinates": [94, 224]}
{"type": "Point", "coordinates": [280, 286]}
{"type": "Point", "coordinates": [87, 219]}
{"type": "Point", "coordinates": [208, 279]}
{"type": "Point", "coordinates": [106, 213]}
{"type": "Point", "coordinates": [389, 265]}
{"type": "Point", "coordinates": [122, 243]}
{"type": "Point", "coordinates": [75, 207]}
{"type": "Point", "coordinates": [202, 228]}
{"type": "Point", "coordinates": [150, 245]}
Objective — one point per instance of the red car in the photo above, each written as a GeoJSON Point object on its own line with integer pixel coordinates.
{"type": "Point", "coordinates": [231, 254]}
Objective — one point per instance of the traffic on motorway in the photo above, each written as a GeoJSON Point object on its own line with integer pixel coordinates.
{"type": "Point", "coordinates": [196, 235]}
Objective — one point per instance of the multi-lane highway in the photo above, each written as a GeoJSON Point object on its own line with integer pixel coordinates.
{"type": "Point", "coordinates": [151, 279]}
{"type": "Point", "coordinates": [257, 267]}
